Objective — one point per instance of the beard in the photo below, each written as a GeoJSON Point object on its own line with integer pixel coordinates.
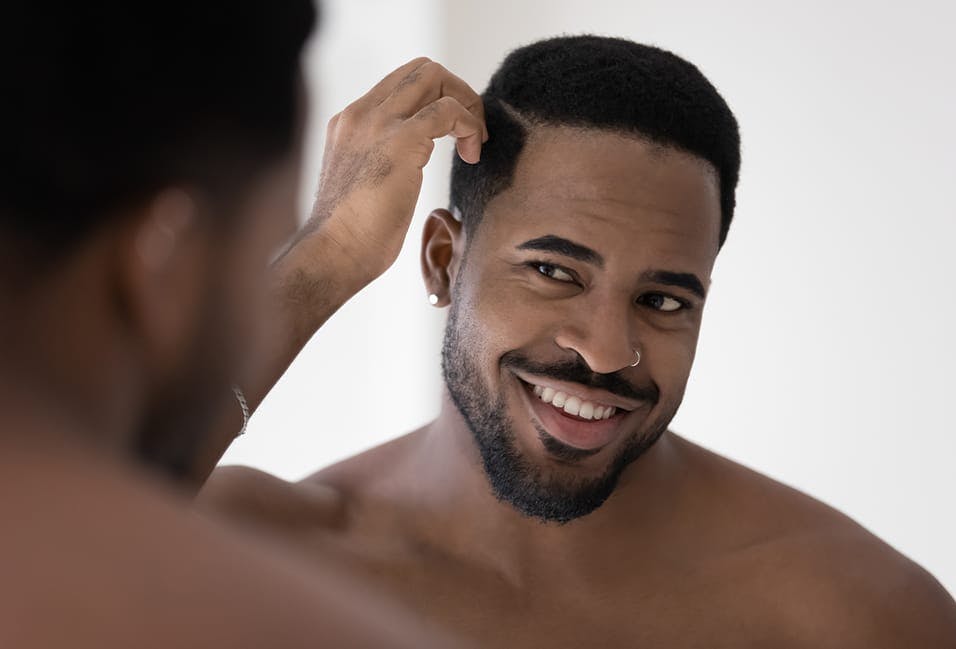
{"type": "Point", "coordinates": [536, 491]}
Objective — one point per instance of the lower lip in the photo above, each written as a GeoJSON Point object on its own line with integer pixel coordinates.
{"type": "Point", "coordinates": [579, 433]}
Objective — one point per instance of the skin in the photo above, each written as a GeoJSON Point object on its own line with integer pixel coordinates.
{"type": "Point", "coordinates": [143, 326]}
{"type": "Point", "coordinates": [690, 550]}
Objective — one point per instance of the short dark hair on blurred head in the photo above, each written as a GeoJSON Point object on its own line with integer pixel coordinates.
{"type": "Point", "coordinates": [105, 103]}
{"type": "Point", "coordinates": [603, 83]}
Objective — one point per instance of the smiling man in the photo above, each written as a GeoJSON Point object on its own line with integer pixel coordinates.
{"type": "Point", "coordinates": [548, 504]}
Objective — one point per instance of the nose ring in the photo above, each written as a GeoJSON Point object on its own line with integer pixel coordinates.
{"type": "Point", "coordinates": [638, 361]}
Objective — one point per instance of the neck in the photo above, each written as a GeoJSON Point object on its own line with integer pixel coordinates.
{"type": "Point", "coordinates": [31, 419]}
{"type": "Point", "coordinates": [61, 375]}
{"type": "Point", "coordinates": [451, 485]}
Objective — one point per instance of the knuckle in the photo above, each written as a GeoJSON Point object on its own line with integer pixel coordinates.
{"type": "Point", "coordinates": [451, 108]}
{"type": "Point", "coordinates": [445, 102]}
{"type": "Point", "coordinates": [429, 111]}
{"type": "Point", "coordinates": [348, 116]}
{"type": "Point", "coordinates": [432, 70]}
{"type": "Point", "coordinates": [448, 104]}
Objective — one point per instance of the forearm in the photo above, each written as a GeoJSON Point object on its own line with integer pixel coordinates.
{"type": "Point", "coordinates": [312, 281]}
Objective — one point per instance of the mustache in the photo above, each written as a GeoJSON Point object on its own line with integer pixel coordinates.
{"type": "Point", "coordinates": [576, 371]}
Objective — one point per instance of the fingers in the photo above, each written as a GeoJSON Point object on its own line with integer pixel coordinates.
{"type": "Point", "coordinates": [427, 83]}
{"type": "Point", "coordinates": [425, 97]}
{"type": "Point", "coordinates": [447, 116]}
{"type": "Point", "coordinates": [381, 91]}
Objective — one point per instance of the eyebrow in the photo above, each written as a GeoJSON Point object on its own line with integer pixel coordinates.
{"type": "Point", "coordinates": [566, 247]}
{"type": "Point", "coordinates": [687, 281]}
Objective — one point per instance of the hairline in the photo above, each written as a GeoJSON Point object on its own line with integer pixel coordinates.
{"type": "Point", "coordinates": [531, 130]}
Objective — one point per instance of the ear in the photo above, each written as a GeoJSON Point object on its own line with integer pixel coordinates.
{"type": "Point", "coordinates": [162, 257]}
{"type": "Point", "coordinates": [443, 242]}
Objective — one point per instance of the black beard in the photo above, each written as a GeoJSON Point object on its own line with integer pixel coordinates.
{"type": "Point", "coordinates": [514, 480]}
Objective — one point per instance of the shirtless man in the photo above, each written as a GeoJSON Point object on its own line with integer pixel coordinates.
{"type": "Point", "coordinates": [148, 177]}
{"type": "Point", "coordinates": [548, 505]}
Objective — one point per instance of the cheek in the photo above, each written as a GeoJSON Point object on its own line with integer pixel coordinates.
{"type": "Point", "coordinates": [668, 358]}
{"type": "Point", "coordinates": [508, 318]}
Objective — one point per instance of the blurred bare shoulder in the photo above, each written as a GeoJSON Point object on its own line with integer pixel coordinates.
{"type": "Point", "coordinates": [113, 560]}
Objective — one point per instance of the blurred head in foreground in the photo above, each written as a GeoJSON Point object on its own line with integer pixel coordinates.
{"type": "Point", "coordinates": [148, 175]}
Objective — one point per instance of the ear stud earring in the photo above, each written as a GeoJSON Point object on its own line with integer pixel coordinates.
{"type": "Point", "coordinates": [432, 299]}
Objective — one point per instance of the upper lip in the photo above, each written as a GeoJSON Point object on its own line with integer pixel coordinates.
{"type": "Point", "coordinates": [601, 397]}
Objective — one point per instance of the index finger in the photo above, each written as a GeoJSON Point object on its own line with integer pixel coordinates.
{"type": "Point", "coordinates": [381, 90]}
{"type": "Point", "coordinates": [426, 84]}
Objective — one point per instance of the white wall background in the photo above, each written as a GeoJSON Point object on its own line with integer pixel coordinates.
{"type": "Point", "coordinates": [826, 358]}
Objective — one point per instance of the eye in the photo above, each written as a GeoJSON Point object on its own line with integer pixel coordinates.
{"type": "Point", "coordinates": [661, 302]}
{"type": "Point", "coordinates": [553, 272]}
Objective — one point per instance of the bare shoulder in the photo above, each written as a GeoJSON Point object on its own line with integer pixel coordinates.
{"type": "Point", "coordinates": [841, 586]}
{"type": "Point", "coordinates": [252, 497]}
{"type": "Point", "coordinates": [827, 580]}
{"type": "Point", "coordinates": [117, 561]}
{"type": "Point", "coordinates": [367, 471]}
{"type": "Point", "coordinates": [863, 593]}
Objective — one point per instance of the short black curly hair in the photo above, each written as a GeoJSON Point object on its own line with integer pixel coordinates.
{"type": "Point", "coordinates": [603, 83]}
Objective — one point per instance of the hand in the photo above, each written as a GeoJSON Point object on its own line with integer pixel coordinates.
{"type": "Point", "coordinates": [374, 156]}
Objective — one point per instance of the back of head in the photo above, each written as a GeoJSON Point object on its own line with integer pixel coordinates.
{"type": "Point", "coordinates": [105, 103]}
{"type": "Point", "coordinates": [602, 83]}
{"type": "Point", "coordinates": [110, 111]}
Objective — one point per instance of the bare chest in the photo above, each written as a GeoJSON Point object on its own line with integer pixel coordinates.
{"type": "Point", "coordinates": [619, 605]}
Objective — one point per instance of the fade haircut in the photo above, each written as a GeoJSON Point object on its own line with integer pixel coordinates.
{"type": "Point", "coordinates": [106, 103]}
{"type": "Point", "coordinates": [603, 83]}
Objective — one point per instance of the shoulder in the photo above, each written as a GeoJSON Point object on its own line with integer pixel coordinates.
{"type": "Point", "coordinates": [844, 587]}
{"type": "Point", "coordinates": [133, 567]}
{"type": "Point", "coordinates": [249, 496]}
{"type": "Point", "coordinates": [823, 578]}
{"type": "Point", "coordinates": [372, 476]}
{"type": "Point", "coordinates": [326, 499]}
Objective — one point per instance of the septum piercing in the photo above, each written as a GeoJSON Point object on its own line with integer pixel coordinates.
{"type": "Point", "coordinates": [638, 361]}
{"type": "Point", "coordinates": [432, 299]}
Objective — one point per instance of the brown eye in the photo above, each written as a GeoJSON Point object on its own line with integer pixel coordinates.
{"type": "Point", "coordinates": [661, 302]}
{"type": "Point", "coordinates": [554, 272]}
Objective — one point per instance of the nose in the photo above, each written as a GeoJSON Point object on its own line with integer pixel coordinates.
{"type": "Point", "coordinates": [604, 337]}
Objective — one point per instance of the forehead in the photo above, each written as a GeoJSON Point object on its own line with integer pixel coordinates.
{"type": "Point", "coordinates": [615, 191]}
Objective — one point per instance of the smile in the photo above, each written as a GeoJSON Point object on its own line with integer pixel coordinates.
{"type": "Point", "coordinates": [574, 405]}
{"type": "Point", "coordinates": [575, 415]}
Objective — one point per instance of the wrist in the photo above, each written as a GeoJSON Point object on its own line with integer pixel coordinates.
{"type": "Point", "coordinates": [346, 254]}
{"type": "Point", "coordinates": [316, 276]}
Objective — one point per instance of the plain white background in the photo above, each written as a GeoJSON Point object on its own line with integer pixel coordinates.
{"type": "Point", "coordinates": [826, 358]}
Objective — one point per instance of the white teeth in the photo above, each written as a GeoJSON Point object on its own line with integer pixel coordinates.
{"type": "Point", "coordinates": [572, 406]}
